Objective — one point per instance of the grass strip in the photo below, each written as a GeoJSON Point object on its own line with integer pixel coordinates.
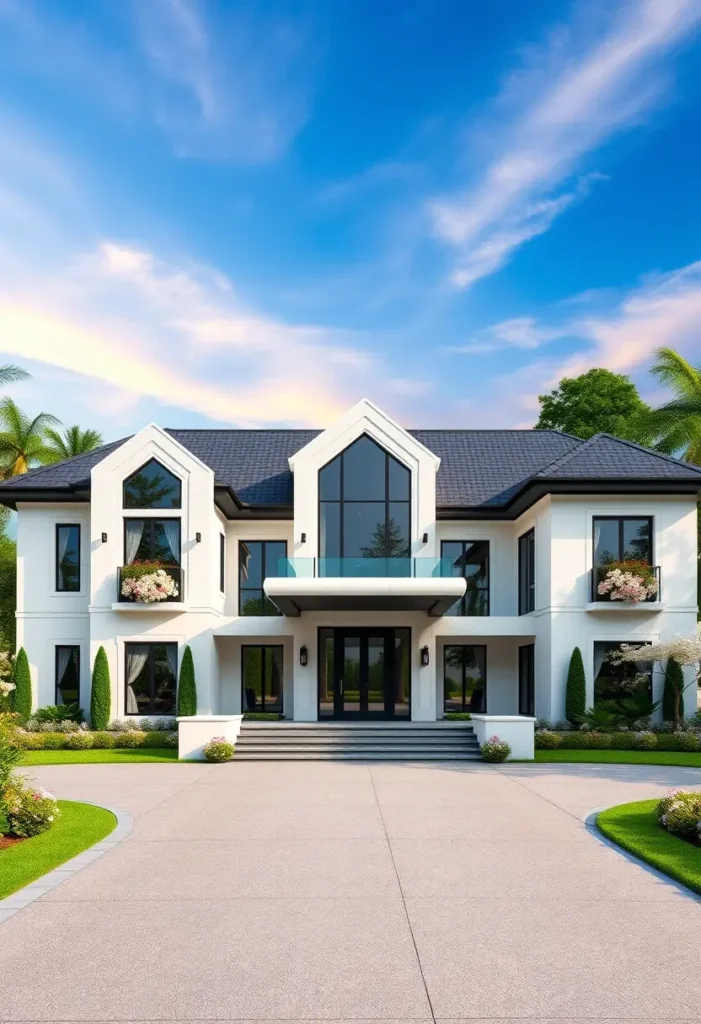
{"type": "Point", "coordinates": [130, 756]}
{"type": "Point", "coordinates": [679, 759]}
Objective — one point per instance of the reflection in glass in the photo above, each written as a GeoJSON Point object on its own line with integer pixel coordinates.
{"type": "Point", "coordinates": [465, 677]}
{"type": "Point", "coordinates": [469, 559]}
{"type": "Point", "coordinates": [258, 559]}
{"type": "Point", "coordinates": [68, 558]}
{"type": "Point", "coordinates": [350, 681]}
{"type": "Point", "coordinates": [623, 538]}
{"type": "Point", "coordinates": [151, 672]}
{"type": "Point", "coordinates": [152, 486]}
{"type": "Point", "coordinates": [261, 678]}
{"type": "Point", "coordinates": [617, 681]}
{"type": "Point", "coordinates": [67, 674]}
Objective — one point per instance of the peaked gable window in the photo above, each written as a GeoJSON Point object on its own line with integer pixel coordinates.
{"type": "Point", "coordinates": [152, 486]}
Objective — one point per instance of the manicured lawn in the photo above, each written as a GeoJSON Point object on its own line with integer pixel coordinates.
{"type": "Point", "coordinates": [680, 760]}
{"type": "Point", "coordinates": [634, 827]}
{"type": "Point", "coordinates": [34, 757]}
{"type": "Point", "coordinates": [79, 826]}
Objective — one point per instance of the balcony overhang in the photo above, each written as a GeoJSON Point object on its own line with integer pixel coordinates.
{"type": "Point", "coordinates": [294, 595]}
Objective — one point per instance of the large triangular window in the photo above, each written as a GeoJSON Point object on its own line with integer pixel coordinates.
{"type": "Point", "coordinates": [152, 486]}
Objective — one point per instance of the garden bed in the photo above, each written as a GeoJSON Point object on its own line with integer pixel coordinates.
{"type": "Point", "coordinates": [679, 759]}
{"type": "Point", "coordinates": [113, 756]}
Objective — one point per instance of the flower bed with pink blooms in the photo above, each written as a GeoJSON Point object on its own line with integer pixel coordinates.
{"type": "Point", "coordinates": [631, 581]}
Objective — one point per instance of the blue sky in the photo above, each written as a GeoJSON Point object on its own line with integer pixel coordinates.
{"type": "Point", "coordinates": [254, 214]}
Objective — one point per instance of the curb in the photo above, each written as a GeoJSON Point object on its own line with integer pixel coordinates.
{"type": "Point", "coordinates": [45, 883]}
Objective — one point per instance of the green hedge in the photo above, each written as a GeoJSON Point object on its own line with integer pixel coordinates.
{"type": "Point", "coordinates": [100, 740]}
{"type": "Point", "coordinates": [187, 687]}
{"type": "Point", "coordinates": [678, 741]}
{"type": "Point", "coordinates": [22, 693]}
{"type": "Point", "coordinates": [100, 694]}
{"type": "Point", "coordinates": [576, 691]}
{"type": "Point", "coordinates": [262, 716]}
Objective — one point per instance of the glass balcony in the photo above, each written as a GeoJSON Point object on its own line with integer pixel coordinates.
{"type": "Point", "coordinates": [365, 568]}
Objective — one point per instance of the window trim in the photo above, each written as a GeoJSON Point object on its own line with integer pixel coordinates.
{"type": "Point", "coordinates": [241, 589]}
{"type": "Point", "coordinates": [59, 589]}
{"type": "Point", "coordinates": [464, 709]}
{"type": "Point", "coordinates": [222, 563]}
{"type": "Point", "coordinates": [151, 676]}
{"type": "Point", "coordinates": [530, 582]}
{"type": "Point", "coordinates": [620, 520]}
{"type": "Point", "coordinates": [151, 520]}
{"type": "Point", "coordinates": [488, 589]}
{"type": "Point", "coordinates": [151, 508]}
{"type": "Point", "coordinates": [244, 648]}
{"type": "Point", "coordinates": [530, 682]}
{"type": "Point", "coordinates": [57, 648]}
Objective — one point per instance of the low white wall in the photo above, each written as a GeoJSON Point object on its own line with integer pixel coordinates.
{"type": "Point", "coordinates": [517, 730]}
{"type": "Point", "coordinates": [195, 732]}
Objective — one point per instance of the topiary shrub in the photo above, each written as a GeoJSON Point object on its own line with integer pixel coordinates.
{"type": "Point", "coordinates": [187, 687]}
{"type": "Point", "coordinates": [22, 693]}
{"type": "Point", "coordinates": [80, 740]}
{"type": "Point", "coordinates": [576, 691]}
{"type": "Point", "coordinates": [673, 691]}
{"type": "Point", "coordinates": [218, 750]}
{"type": "Point", "coordinates": [100, 693]}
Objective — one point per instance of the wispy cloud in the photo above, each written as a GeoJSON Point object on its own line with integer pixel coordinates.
{"type": "Point", "coordinates": [569, 101]}
{"type": "Point", "coordinates": [389, 172]}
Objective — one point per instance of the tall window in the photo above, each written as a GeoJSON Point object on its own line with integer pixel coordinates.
{"type": "Point", "coordinates": [465, 677]}
{"type": "Point", "coordinates": [526, 680]}
{"type": "Point", "coordinates": [615, 681]}
{"type": "Point", "coordinates": [364, 507]}
{"type": "Point", "coordinates": [622, 539]}
{"type": "Point", "coordinates": [469, 559]}
{"type": "Point", "coordinates": [67, 558]}
{"type": "Point", "coordinates": [222, 563]}
{"type": "Point", "coordinates": [152, 486]}
{"type": "Point", "coordinates": [261, 678]}
{"type": "Point", "coordinates": [152, 540]}
{"type": "Point", "coordinates": [151, 673]}
{"type": "Point", "coordinates": [257, 560]}
{"type": "Point", "coordinates": [67, 674]}
{"type": "Point", "coordinates": [526, 573]}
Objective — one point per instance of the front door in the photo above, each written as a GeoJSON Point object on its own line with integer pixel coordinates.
{"type": "Point", "coordinates": [364, 673]}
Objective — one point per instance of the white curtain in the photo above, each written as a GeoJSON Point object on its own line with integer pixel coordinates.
{"type": "Point", "coordinates": [64, 536]}
{"type": "Point", "coordinates": [172, 656]}
{"type": "Point", "coordinates": [171, 530]}
{"type": "Point", "coordinates": [135, 530]}
{"type": "Point", "coordinates": [597, 540]}
{"type": "Point", "coordinates": [600, 651]}
{"type": "Point", "coordinates": [63, 658]}
{"type": "Point", "coordinates": [135, 664]}
{"type": "Point", "coordinates": [246, 553]}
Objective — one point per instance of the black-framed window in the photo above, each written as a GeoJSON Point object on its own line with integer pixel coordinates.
{"type": "Point", "coordinates": [615, 681]}
{"type": "Point", "coordinates": [364, 506]}
{"type": "Point", "coordinates": [67, 674]}
{"type": "Point", "coordinates": [151, 671]}
{"type": "Point", "coordinates": [152, 486]}
{"type": "Point", "coordinates": [469, 559]}
{"type": "Point", "coordinates": [68, 557]}
{"type": "Point", "coordinates": [622, 539]}
{"type": "Point", "coordinates": [222, 563]}
{"type": "Point", "coordinates": [258, 559]}
{"type": "Point", "coordinates": [152, 540]}
{"type": "Point", "coordinates": [526, 572]}
{"type": "Point", "coordinates": [465, 678]}
{"type": "Point", "coordinates": [526, 680]}
{"type": "Point", "coordinates": [261, 677]}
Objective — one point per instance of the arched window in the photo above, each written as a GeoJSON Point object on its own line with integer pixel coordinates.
{"type": "Point", "coordinates": [364, 506]}
{"type": "Point", "coordinates": [152, 486]}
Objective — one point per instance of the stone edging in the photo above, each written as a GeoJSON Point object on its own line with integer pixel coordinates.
{"type": "Point", "coordinates": [23, 897]}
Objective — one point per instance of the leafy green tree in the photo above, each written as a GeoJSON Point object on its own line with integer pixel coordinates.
{"type": "Point", "coordinates": [22, 441]}
{"type": "Point", "coordinates": [187, 687]}
{"type": "Point", "coordinates": [100, 694]}
{"type": "Point", "coordinates": [22, 693]}
{"type": "Point", "coordinates": [673, 694]}
{"type": "Point", "coordinates": [598, 401]}
{"type": "Point", "coordinates": [576, 692]}
{"type": "Point", "coordinates": [73, 441]}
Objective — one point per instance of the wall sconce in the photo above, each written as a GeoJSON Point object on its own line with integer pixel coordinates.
{"type": "Point", "coordinates": [104, 538]}
{"type": "Point", "coordinates": [304, 538]}
{"type": "Point", "coordinates": [303, 655]}
{"type": "Point", "coordinates": [198, 538]}
{"type": "Point", "coordinates": [424, 656]}
{"type": "Point", "coordinates": [425, 538]}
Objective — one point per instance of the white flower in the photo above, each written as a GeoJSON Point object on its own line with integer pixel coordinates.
{"type": "Point", "coordinates": [152, 587]}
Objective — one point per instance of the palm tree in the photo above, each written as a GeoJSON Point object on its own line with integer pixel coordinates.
{"type": "Point", "coordinates": [22, 441]}
{"type": "Point", "coordinates": [9, 373]}
{"type": "Point", "coordinates": [73, 441]}
{"type": "Point", "coordinates": [676, 426]}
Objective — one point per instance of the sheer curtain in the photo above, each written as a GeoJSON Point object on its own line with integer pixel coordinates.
{"type": "Point", "coordinates": [172, 656]}
{"type": "Point", "coordinates": [63, 538]}
{"type": "Point", "coordinates": [134, 533]}
{"type": "Point", "coordinates": [171, 531]}
{"type": "Point", "coordinates": [63, 657]}
{"type": "Point", "coordinates": [600, 650]}
{"type": "Point", "coordinates": [136, 660]}
{"type": "Point", "coordinates": [597, 541]}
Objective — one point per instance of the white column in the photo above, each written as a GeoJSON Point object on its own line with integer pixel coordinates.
{"type": "Point", "coordinates": [423, 677]}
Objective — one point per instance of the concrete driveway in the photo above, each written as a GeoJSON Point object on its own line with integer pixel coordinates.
{"type": "Point", "coordinates": [349, 892]}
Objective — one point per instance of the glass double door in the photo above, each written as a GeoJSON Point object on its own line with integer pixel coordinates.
{"type": "Point", "coordinates": [364, 673]}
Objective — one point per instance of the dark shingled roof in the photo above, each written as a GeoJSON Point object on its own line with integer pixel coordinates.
{"type": "Point", "coordinates": [479, 468]}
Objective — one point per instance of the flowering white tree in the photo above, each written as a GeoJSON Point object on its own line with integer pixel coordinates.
{"type": "Point", "coordinates": [686, 651]}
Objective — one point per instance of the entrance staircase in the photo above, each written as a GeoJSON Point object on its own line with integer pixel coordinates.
{"type": "Point", "coordinates": [357, 741]}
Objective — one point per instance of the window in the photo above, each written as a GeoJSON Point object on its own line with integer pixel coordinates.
{"type": "Point", "coordinates": [67, 674]}
{"type": "Point", "coordinates": [222, 563]}
{"type": "Point", "coordinates": [622, 538]}
{"type": "Point", "coordinates": [469, 559]}
{"type": "Point", "coordinates": [261, 678]}
{"type": "Point", "coordinates": [364, 507]}
{"type": "Point", "coordinates": [152, 486]}
{"type": "Point", "coordinates": [615, 682]}
{"type": "Point", "coordinates": [152, 540]}
{"type": "Point", "coordinates": [526, 573]}
{"type": "Point", "coordinates": [526, 680]}
{"type": "Point", "coordinates": [465, 678]}
{"type": "Point", "coordinates": [257, 560]}
{"type": "Point", "coordinates": [67, 558]}
{"type": "Point", "coordinates": [151, 672]}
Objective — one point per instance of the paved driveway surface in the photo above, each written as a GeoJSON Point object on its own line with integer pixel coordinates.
{"type": "Point", "coordinates": [347, 892]}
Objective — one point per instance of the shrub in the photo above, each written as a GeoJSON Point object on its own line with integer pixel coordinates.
{"type": "Point", "coordinates": [602, 719]}
{"type": "Point", "coordinates": [264, 716]}
{"type": "Point", "coordinates": [53, 740]}
{"type": "Point", "coordinates": [452, 716]}
{"type": "Point", "coordinates": [170, 739]}
{"type": "Point", "coordinates": [680, 813]}
{"type": "Point", "coordinates": [153, 738]}
{"type": "Point", "coordinates": [59, 713]}
{"type": "Point", "coordinates": [100, 693]}
{"type": "Point", "coordinates": [495, 749]}
{"type": "Point", "coordinates": [130, 739]}
{"type": "Point", "coordinates": [10, 752]}
{"type": "Point", "coordinates": [28, 811]}
{"type": "Point", "coordinates": [673, 683]}
{"type": "Point", "coordinates": [162, 724]}
{"type": "Point", "coordinates": [545, 739]}
{"type": "Point", "coordinates": [29, 740]}
{"type": "Point", "coordinates": [645, 740]}
{"type": "Point", "coordinates": [686, 740]}
{"type": "Point", "coordinates": [576, 692]}
{"type": "Point", "coordinates": [79, 741]}
{"type": "Point", "coordinates": [22, 693]}
{"type": "Point", "coordinates": [123, 725]}
{"type": "Point", "coordinates": [187, 687]}
{"type": "Point", "coordinates": [103, 740]}
{"type": "Point", "coordinates": [219, 749]}
{"type": "Point", "coordinates": [62, 726]}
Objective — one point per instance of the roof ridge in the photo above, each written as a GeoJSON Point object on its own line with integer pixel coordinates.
{"type": "Point", "coordinates": [562, 460]}
{"type": "Point", "coordinates": [652, 451]}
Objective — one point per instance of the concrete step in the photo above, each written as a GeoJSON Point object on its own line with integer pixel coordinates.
{"type": "Point", "coordinates": [376, 755]}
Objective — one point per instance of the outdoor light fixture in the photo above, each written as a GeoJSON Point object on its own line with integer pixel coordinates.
{"type": "Point", "coordinates": [304, 538]}
{"type": "Point", "coordinates": [104, 538]}
{"type": "Point", "coordinates": [424, 656]}
{"type": "Point", "coordinates": [425, 538]}
{"type": "Point", "coordinates": [198, 537]}
{"type": "Point", "coordinates": [303, 656]}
